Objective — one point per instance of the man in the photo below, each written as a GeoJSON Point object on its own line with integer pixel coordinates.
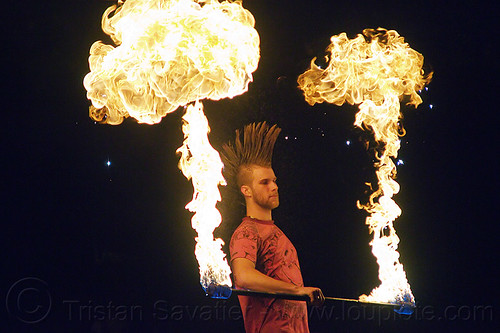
{"type": "Point", "coordinates": [262, 257]}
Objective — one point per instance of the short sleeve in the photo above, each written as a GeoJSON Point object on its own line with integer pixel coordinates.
{"type": "Point", "coordinates": [244, 243]}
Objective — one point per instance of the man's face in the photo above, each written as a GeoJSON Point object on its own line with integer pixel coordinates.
{"type": "Point", "coordinates": [264, 187]}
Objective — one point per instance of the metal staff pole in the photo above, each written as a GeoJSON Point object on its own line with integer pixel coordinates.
{"type": "Point", "coordinates": [224, 292]}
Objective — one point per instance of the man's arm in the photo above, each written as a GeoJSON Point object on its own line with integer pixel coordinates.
{"type": "Point", "coordinates": [247, 277]}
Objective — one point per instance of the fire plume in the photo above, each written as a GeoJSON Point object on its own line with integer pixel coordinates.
{"type": "Point", "coordinates": [170, 53]}
{"type": "Point", "coordinates": [375, 70]}
{"type": "Point", "coordinates": [202, 164]}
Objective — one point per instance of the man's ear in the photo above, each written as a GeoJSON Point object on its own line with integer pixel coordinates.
{"type": "Point", "coordinates": [246, 190]}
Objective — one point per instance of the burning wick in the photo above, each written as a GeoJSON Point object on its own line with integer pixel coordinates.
{"type": "Point", "coordinates": [219, 291]}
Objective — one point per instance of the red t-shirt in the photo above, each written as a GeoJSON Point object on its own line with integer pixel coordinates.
{"type": "Point", "coordinates": [263, 243]}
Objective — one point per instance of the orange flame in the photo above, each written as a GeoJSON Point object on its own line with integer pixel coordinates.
{"type": "Point", "coordinates": [170, 53]}
{"type": "Point", "coordinates": [201, 163]}
{"type": "Point", "coordinates": [375, 70]}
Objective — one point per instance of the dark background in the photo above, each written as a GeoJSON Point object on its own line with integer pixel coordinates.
{"type": "Point", "coordinates": [87, 234]}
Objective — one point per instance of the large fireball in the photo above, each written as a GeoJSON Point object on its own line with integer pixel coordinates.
{"type": "Point", "coordinates": [169, 53]}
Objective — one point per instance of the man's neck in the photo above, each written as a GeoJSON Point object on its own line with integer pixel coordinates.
{"type": "Point", "coordinates": [259, 213]}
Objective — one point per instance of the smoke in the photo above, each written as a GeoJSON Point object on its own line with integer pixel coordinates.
{"type": "Point", "coordinates": [169, 53]}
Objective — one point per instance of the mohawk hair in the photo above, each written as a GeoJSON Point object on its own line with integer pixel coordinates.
{"type": "Point", "coordinates": [256, 149]}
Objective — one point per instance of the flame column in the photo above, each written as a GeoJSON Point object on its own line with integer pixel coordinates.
{"type": "Point", "coordinates": [201, 163]}
{"type": "Point", "coordinates": [375, 70]}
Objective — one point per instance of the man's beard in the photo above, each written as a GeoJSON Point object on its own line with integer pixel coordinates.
{"type": "Point", "coordinates": [267, 202]}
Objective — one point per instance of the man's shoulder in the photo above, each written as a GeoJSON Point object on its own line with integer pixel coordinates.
{"type": "Point", "coordinates": [245, 241]}
{"type": "Point", "coordinates": [247, 225]}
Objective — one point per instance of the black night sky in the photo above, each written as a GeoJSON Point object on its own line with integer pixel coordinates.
{"type": "Point", "coordinates": [111, 246]}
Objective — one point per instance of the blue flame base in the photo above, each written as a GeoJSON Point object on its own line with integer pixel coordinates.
{"type": "Point", "coordinates": [407, 305]}
{"type": "Point", "coordinates": [218, 291]}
